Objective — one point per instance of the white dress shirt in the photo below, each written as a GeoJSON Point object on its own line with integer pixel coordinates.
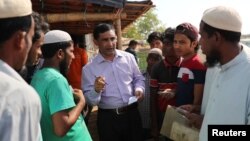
{"type": "Point", "coordinates": [20, 107]}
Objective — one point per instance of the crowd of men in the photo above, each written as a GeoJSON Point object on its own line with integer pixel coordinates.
{"type": "Point", "coordinates": [48, 101]}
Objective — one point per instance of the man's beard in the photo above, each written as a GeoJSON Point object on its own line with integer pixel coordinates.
{"type": "Point", "coordinates": [63, 67]}
{"type": "Point", "coordinates": [213, 58]}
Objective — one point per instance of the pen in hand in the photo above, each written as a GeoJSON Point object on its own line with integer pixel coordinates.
{"type": "Point", "coordinates": [99, 84]}
{"type": "Point", "coordinates": [103, 78]}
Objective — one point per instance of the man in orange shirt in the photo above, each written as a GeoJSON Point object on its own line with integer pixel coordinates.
{"type": "Point", "coordinates": [74, 75]}
{"type": "Point", "coordinates": [81, 59]}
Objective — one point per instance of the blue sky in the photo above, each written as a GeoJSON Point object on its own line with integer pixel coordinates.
{"type": "Point", "coordinates": [174, 12]}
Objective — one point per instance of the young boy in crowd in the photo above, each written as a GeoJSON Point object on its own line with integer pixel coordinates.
{"type": "Point", "coordinates": [191, 76]}
{"type": "Point", "coordinates": [154, 57]}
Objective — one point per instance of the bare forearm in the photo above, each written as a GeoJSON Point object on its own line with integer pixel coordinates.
{"type": "Point", "coordinates": [75, 112]}
{"type": "Point", "coordinates": [198, 93]}
{"type": "Point", "coordinates": [65, 119]}
{"type": "Point", "coordinates": [197, 99]}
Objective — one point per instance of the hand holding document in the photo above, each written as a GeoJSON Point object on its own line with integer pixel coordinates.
{"type": "Point", "coordinates": [132, 99]}
{"type": "Point", "coordinates": [181, 111]}
{"type": "Point", "coordinates": [194, 119]}
{"type": "Point", "coordinates": [173, 120]}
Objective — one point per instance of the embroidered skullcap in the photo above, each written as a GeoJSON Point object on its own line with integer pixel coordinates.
{"type": "Point", "coordinates": [15, 8]}
{"type": "Point", "coordinates": [155, 51]}
{"type": "Point", "coordinates": [222, 17]}
{"type": "Point", "coordinates": [56, 36]}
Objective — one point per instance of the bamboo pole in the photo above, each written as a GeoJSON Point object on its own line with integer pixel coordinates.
{"type": "Point", "coordinates": [70, 17]}
{"type": "Point", "coordinates": [119, 33]}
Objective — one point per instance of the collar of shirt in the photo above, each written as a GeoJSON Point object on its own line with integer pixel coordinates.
{"type": "Point", "coordinates": [5, 68]}
{"type": "Point", "coordinates": [194, 57]}
{"type": "Point", "coordinates": [100, 58]}
{"type": "Point", "coordinates": [237, 59]}
{"type": "Point", "coordinates": [168, 64]}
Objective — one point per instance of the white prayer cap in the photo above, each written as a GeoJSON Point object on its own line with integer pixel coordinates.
{"type": "Point", "coordinates": [15, 8]}
{"type": "Point", "coordinates": [56, 36]}
{"type": "Point", "coordinates": [221, 17]}
{"type": "Point", "coordinates": [156, 51]}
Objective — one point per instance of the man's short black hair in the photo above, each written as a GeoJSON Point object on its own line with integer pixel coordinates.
{"type": "Point", "coordinates": [38, 26]}
{"type": "Point", "coordinates": [168, 34]}
{"type": "Point", "coordinates": [133, 43]}
{"type": "Point", "coordinates": [154, 36]}
{"type": "Point", "coordinates": [78, 39]}
{"type": "Point", "coordinates": [101, 28]}
{"type": "Point", "coordinates": [9, 26]}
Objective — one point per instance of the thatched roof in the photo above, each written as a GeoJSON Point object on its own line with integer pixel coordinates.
{"type": "Point", "coordinates": [80, 16]}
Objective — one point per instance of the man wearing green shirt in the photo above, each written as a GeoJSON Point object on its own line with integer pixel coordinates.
{"type": "Point", "coordinates": [61, 106]}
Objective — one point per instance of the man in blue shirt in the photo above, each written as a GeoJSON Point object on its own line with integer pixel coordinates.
{"type": "Point", "coordinates": [113, 82]}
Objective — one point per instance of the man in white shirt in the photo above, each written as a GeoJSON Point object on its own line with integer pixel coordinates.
{"type": "Point", "coordinates": [227, 98]}
{"type": "Point", "coordinates": [20, 107]}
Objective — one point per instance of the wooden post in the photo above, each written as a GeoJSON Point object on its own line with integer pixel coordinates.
{"type": "Point", "coordinates": [119, 33]}
{"type": "Point", "coordinates": [78, 16]}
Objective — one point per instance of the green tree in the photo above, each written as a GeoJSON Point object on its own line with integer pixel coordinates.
{"type": "Point", "coordinates": [144, 25]}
